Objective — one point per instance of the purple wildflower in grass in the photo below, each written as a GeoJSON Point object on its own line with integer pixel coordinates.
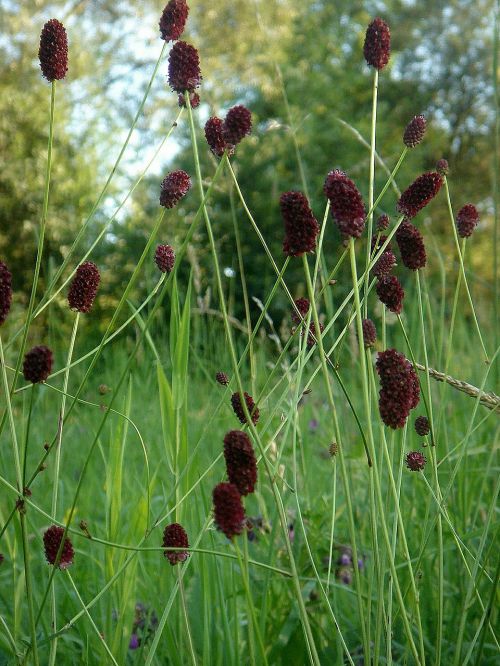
{"type": "Point", "coordinates": [303, 305]}
{"type": "Point", "coordinates": [377, 46]}
{"type": "Point", "coordinates": [83, 288]}
{"type": "Point", "coordinates": [382, 222]}
{"type": "Point", "coordinates": [414, 131]}
{"type": "Point", "coordinates": [37, 364]}
{"type": "Point", "coordinates": [422, 426]}
{"type": "Point", "coordinates": [52, 541]}
{"type": "Point", "coordinates": [215, 137]}
{"type": "Point", "coordinates": [173, 20]}
{"type": "Point", "coordinates": [221, 378]}
{"type": "Point", "coordinates": [400, 391]}
{"type": "Point", "coordinates": [5, 292]}
{"type": "Point", "coordinates": [369, 333]}
{"type": "Point", "coordinates": [237, 125]}
{"type": "Point", "coordinates": [241, 464]}
{"type": "Point", "coordinates": [229, 514]}
{"type": "Point", "coordinates": [419, 193]}
{"type": "Point", "coordinates": [240, 412]}
{"type": "Point", "coordinates": [174, 536]}
{"type": "Point", "coordinates": [442, 167]}
{"type": "Point", "coordinates": [194, 100]}
{"type": "Point", "coordinates": [53, 52]}
{"type": "Point", "coordinates": [165, 258]}
{"type": "Point", "coordinates": [346, 203]}
{"type": "Point", "coordinates": [415, 461]}
{"type": "Point", "coordinates": [301, 227]}
{"type": "Point", "coordinates": [174, 187]}
{"type": "Point", "coordinates": [467, 220]}
{"type": "Point", "coordinates": [134, 642]}
{"type": "Point", "coordinates": [184, 68]}
{"type": "Point", "coordinates": [390, 293]}
{"type": "Point", "coordinates": [411, 246]}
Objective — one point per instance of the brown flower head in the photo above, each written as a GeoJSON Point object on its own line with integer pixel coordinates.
{"type": "Point", "coordinates": [215, 137]}
{"type": "Point", "coordinates": [237, 125]}
{"type": "Point", "coordinates": [229, 514]}
{"type": "Point", "coordinates": [184, 68]}
{"type": "Point", "coordinates": [422, 426]}
{"type": "Point", "coordinates": [165, 258]}
{"type": "Point", "coordinates": [399, 392]}
{"type": "Point", "coordinates": [241, 465]}
{"type": "Point", "coordinates": [174, 187]}
{"type": "Point", "coordinates": [302, 305]}
{"type": "Point", "coordinates": [442, 167]}
{"type": "Point", "coordinates": [377, 46]}
{"type": "Point", "coordinates": [467, 220]}
{"type": "Point", "coordinates": [411, 246]}
{"type": "Point", "coordinates": [348, 209]}
{"type": "Point", "coordinates": [390, 293]}
{"type": "Point", "coordinates": [174, 536]}
{"type": "Point", "coordinates": [222, 378]}
{"type": "Point", "coordinates": [369, 332]}
{"type": "Point", "coordinates": [301, 227]}
{"type": "Point", "coordinates": [52, 542]}
{"type": "Point", "coordinates": [5, 292]}
{"type": "Point", "coordinates": [37, 364]}
{"type": "Point", "coordinates": [415, 461]}
{"type": "Point", "coordinates": [83, 288]}
{"type": "Point", "coordinates": [173, 20]}
{"type": "Point", "coordinates": [414, 132]}
{"type": "Point", "coordinates": [53, 52]}
{"type": "Point", "coordinates": [240, 412]}
{"type": "Point", "coordinates": [419, 193]}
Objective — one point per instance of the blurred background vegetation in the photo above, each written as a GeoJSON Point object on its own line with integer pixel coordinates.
{"type": "Point", "coordinates": [299, 67]}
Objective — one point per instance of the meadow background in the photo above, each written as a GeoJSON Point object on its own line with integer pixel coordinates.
{"type": "Point", "coordinates": [299, 68]}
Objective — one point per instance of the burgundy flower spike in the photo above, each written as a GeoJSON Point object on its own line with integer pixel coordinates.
{"type": "Point", "coordinates": [369, 332]}
{"type": "Point", "coordinates": [241, 464]}
{"type": "Point", "coordinates": [165, 258]}
{"type": "Point", "coordinates": [174, 187]}
{"type": "Point", "coordinates": [237, 125]}
{"type": "Point", "coordinates": [53, 52]}
{"type": "Point", "coordinates": [52, 541]}
{"type": "Point", "coordinates": [303, 306]}
{"type": "Point", "coordinates": [240, 412]}
{"type": "Point", "coordinates": [37, 364]}
{"type": "Point", "coordinates": [173, 20]}
{"type": "Point", "coordinates": [184, 68]}
{"type": "Point", "coordinates": [415, 461]}
{"type": "Point", "coordinates": [215, 137]}
{"type": "Point", "coordinates": [174, 536]}
{"type": "Point", "coordinates": [348, 209]}
{"type": "Point", "coordinates": [419, 193]}
{"type": "Point", "coordinates": [229, 514]}
{"type": "Point", "coordinates": [377, 46]}
{"type": "Point", "coordinates": [411, 246]}
{"type": "Point", "coordinates": [83, 288]}
{"type": "Point", "coordinates": [5, 292]}
{"type": "Point", "coordinates": [301, 227]}
{"type": "Point", "coordinates": [390, 293]}
{"type": "Point", "coordinates": [400, 390]}
{"type": "Point", "coordinates": [467, 220]}
{"type": "Point", "coordinates": [414, 132]}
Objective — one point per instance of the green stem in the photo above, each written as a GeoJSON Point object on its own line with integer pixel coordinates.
{"type": "Point", "coordinates": [186, 618]}
{"type": "Point", "coordinates": [29, 588]}
{"type": "Point", "coordinates": [371, 185]}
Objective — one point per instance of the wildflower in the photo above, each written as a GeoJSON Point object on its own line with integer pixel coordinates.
{"type": "Point", "coordinates": [369, 332]}
{"type": "Point", "coordinates": [5, 292]}
{"type": "Point", "coordinates": [415, 461]}
{"type": "Point", "coordinates": [83, 288]}
{"type": "Point", "coordinates": [442, 167]}
{"type": "Point", "coordinates": [37, 364]}
{"type": "Point", "coordinates": [53, 52]}
{"type": "Point", "coordinates": [194, 100]}
{"type": "Point", "coordinates": [222, 378]}
{"type": "Point", "coordinates": [215, 137]}
{"type": "Point", "coordinates": [411, 246]}
{"type": "Point", "coordinates": [165, 258]}
{"type": "Point", "coordinates": [52, 542]}
{"type": "Point", "coordinates": [241, 464]}
{"type": "Point", "coordinates": [301, 227]}
{"type": "Point", "coordinates": [422, 426]}
{"type": "Point", "coordinates": [174, 187]}
{"type": "Point", "coordinates": [382, 222]}
{"type": "Point", "coordinates": [238, 407]}
{"type": "Point", "coordinates": [184, 68]}
{"type": "Point", "coordinates": [237, 125]}
{"type": "Point", "coordinates": [229, 514]}
{"type": "Point", "coordinates": [134, 642]}
{"type": "Point", "coordinates": [414, 132]}
{"type": "Point", "coordinates": [399, 391]}
{"type": "Point", "coordinates": [385, 264]}
{"type": "Point", "coordinates": [302, 305]}
{"type": "Point", "coordinates": [311, 336]}
{"type": "Point", "coordinates": [174, 536]}
{"type": "Point", "coordinates": [173, 20]}
{"type": "Point", "coordinates": [390, 293]}
{"type": "Point", "coordinates": [377, 46]}
{"type": "Point", "coordinates": [467, 219]}
{"type": "Point", "coordinates": [348, 209]}
{"type": "Point", "coordinates": [419, 193]}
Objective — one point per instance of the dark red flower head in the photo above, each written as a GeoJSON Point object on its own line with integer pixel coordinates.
{"type": "Point", "coordinates": [237, 125]}
{"type": "Point", "coordinates": [229, 514]}
{"type": "Point", "coordinates": [400, 391]}
{"type": "Point", "coordinates": [194, 100]}
{"type": "Point", "coordinates": [467, 219]}
{"type": "Point", "coordinates": [53, 52]}
{"type": "Point", "coordinates": [238, 407]}
{"type": "Point", "coordinates": [377, 47]}
{"type": "Point", "coordinates": [348, 209]}
{"type": "Point", "coordinates": [411, 246]}
{"type": "Point", "coordinates": [37, 364]}
{"type": "Point", "coordinates": [385, 264]}
{"type": "Point", "coordinates": [5, 292]}
{"type": "Point", "coordinates": [422, 426]}
{"type": "Point", "coordinates": [390, 293]}
{"type": "Point", "coordinates": [165, 258]}
{"type": "Point", "coordinates": [173, 20]}
{"type": "Point", "coordinates": [83, 288]}
{"type": "Point", "coordinates": [301, 227]}
{"type": "Point", "coordinates": [369, 332]}
{"type": "Point", "coordinates": [419, 193]}
{"type": "Point", "coordinates": [303, 306]}
{"type": "Point", "coordinates": [52, 541]}
{"type": "Point", "coordinates": [414, 132]}
{"type": "Point", "coordinates": [184, 68]}
{"type": "Point", "coordinates": [415, 461]}
{"type": "Point", "coordinates": [382, 222]}
{"type": "Point", "coordinates": [222, 378]}
{"type": "Point", "coordinates": [174, 536]}
{"type": "Point", "coordinates": [442, 167]}
{"type": "Point", "coordinates": [215, 137]}
{"type": "Point", "coordinates": [241, 465]}
{"type": "Point", "coordinates": [174, 186]}
{"type": "Point", "coordinates": [311, 335]}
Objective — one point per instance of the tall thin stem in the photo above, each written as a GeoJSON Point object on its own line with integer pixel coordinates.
{"type": "Point", "coordinates": [371, 184]}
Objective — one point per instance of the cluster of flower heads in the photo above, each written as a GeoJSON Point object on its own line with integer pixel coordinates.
{"type": "Point", "coordinates": [224, 135]}
{"type": "Point", "coordinates": [346, 203]}
{"type": "Point", "coordinates": [53, 52]}
{"type": "Point", "coordinates": [301, 227]}
{"type": "Point", "coordinates": [400, 390]}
